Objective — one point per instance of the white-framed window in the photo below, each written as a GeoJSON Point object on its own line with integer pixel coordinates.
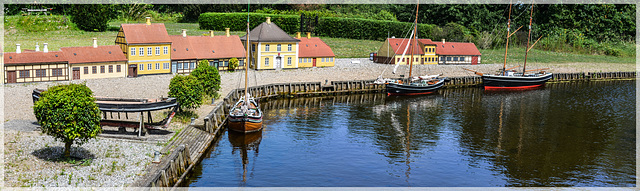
{"type": "Point", "coordinates": [289, 61]}
{"type": "Point", "coordinates": [300, 60]}
{"type": "Point", "coordinates": [133, 51]}
{"type": "Point", "coordinates": [179, 65]}
{"type": "Point", "coordinates": [461, 58]}
{"type": "Point", "coordinates": [289, 47]}
{"type": "Point", "coordinates": [149, 52]}
{"type": "Point", "coordinates": [266, 47]}
{"type": "Point", "coordinates": [157, 50]}
{"type": "Point", "coordinates": [165, 50]}
{"type": "Point", "coordinates": [141, 50]}
{"type": "Point", "coordinates": [141, 67]}
{"type": "Point", "coordinates": [157, 66]}
{"type": "Point", "coordinates": [266, 61]}
{"type": "Point", "coordinates": [149, 67]}
{"type": "Point", "coordinates": [332, 59]}
{"type": "Point", "coordinates": [186, 65]}
{"type": "Point", "coordinates": [279, 47]}
{"type": "Point", "coordinates": [165, 65]}
{"type": "Point", "coordinates": [192, 65]}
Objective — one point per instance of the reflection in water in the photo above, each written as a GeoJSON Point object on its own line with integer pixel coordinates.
{"type": "Point", "coordinates": [569, 134]}
{"type": "Point", "coordinates": [245, 142]}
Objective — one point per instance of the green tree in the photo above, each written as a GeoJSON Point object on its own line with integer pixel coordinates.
{"type": "Point", "coordinates": [233, 64]}
{"type": "Point", "coordinates": [187, 90]}
{"type": "Point", "coordinates": [92, 17]}
{"type": "Point", "coordinates": [69, 114]}
{"type": "Point", "coordinates": [208, 77]}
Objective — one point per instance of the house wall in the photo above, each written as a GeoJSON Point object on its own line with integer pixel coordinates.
{"type": "Point", "coordinates": [429, 56]}
{"type": "Point", "coordinates": [32, 69]}
{"type": "Point", "coordinates": [266, 58]}
{"type": "Point", "coordinates": [405, 61]}
{"type": "Point", "coordinates": [320, 62]}
{"type": "Point", "coordinates": [147, 63]}
{"type": "Point", "coordinates": [87, 72]}
{"type": "Point", "coordinates": [456, 59]}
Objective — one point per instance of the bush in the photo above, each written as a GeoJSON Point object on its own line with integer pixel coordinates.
{"type": "Point", "coordinates": [92, 17]}
{"type": "Point", "coordinates": [208, 77]}
{"type": "Point", "coordinates": [187, 90]}
{"type": "Point", "coordinates": [238, 21]}
{"type": "Point", "coordinates": [69, 114]}
{"type": "Point", "coordinates": [233, 64]}
{"type": "Point", "coordinates": [40, 23]}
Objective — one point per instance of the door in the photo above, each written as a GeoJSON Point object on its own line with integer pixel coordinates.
{"type": "Point", "coordinates": [133, 71]}
{"type": "Point", "coordinates": [278, 62]}
{"type": "Point", "coordinates": [76, 73]}
{"type": "Point", "coordinates": [474, 60]}
{"type": "Point", "coordinates": [174, 67]}
{"type": "Point", "coordinates": [11, 76]}
{"type": "Point", "coordinates": [314, 62]}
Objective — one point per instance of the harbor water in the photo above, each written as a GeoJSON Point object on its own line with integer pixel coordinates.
{"type": "Point", "coordinates": [565, 134]}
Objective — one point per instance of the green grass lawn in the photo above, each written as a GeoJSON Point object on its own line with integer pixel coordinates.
{"type": "Point", "coordinates": [342, 48]}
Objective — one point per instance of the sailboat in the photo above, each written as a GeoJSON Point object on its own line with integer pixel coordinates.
{"type": "Point", "coordinates": [510, 79]}
{"type": "Point", "coordinates": [416, 85]}
{"type": "Point", "coordinates": [245, 116]}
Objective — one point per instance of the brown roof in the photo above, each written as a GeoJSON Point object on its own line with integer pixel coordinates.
{"type": "Point", "coordinates": [89, 54]}
{"type": "Point", "coordinates": [268, 33]}
{"type": "Point", "coordinates": [206, 47]}
{"type": "Point", "coordinates": [34, 57]}
{"type": "Point", "coordinates": [145, 34]}
{"type": "Point", "coordinates": [456, 48]}
{"type": "Point", "coordinates": [314, 47]}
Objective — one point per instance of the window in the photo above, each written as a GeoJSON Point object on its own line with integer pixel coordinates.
{"type": "Point", "coordinates": [455, 58]}
{"type": "Point", "coordinates": [141, 50]}
{"type": "Point", "coordinates": [226, 63]}
{"type": "Point", "coordinates": [56, 72]}
{"type": "Point", "coordinates": [41, 73]}
{"type": "Point", "coordinates": [133, 51]}
{"type": "Point", "coordinates": [110, 68]}
{"type": "Point", "coordinates": [253, 47]}
{"type": "Point", "coordinates": [141, 67]}
{"type": "Point", "coordinates": [157, 50]}
{"type": "Point", "coordinates": [86, 69]}
{"type": "Point", "coordinates": [186, 65]}
{"type": "Point", "coordinates": [331, 59]}
{"type": "Point", "coordinates": [289, 61]}
{"type": "Point", "coordinates": [149, 51]}
{"type": "Point", "coordinates": [241, 63]}
{"type": "Point", "coordinates": [118, 68]}
{"type": "Point", "coordinates": [461, 58]}
{"type": "Point", "coordinates": [165, 65]}
{"type": "Point", "coordinates": [266, 61]}
{"type": "Point", "coordinates": [149, 67]}
{"type": "Point", "coordinates": [398, 60]}
{"type": "Point", "coordinates": [102, 69]}
{"type": "Point", "coordinates": [179, 65]}
{"type": "Point", "coordinates": [24, 74]}
{"type": "Point", "coordinates": [94, 69]}
{"type": "Point", "coordinates": [165, 50]}
{"type": "Point", "coordinates": [266, 47]}
{"type": "Point", "coordinates": [300, 60]}
{"type": "Point", "coordinates": [157, 66]}
{"type": "Point", "coordinates": [289, 47]}
{"type": "Point", "coordinates": [192, 65]}
{"type": "Point", "coordinates": [448, 58]}
{"type": "Point", "coordinates": [322, 59]}
{"type": "Point", "coordinates": [279, 49]}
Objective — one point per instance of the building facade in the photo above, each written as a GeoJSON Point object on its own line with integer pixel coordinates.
{"type": "Point", "coordinates": [314, 52]}
{"type": "Point", "coordinates": [95, 61]}
{"type": "Point", "coordinates": [271, 47]}
{"type": "Point", "coordinates": [146, 47]}
{"type": "Point", "coordinates": [35, 66]}
{"type": "Point", "coordinates": [427, 52]}
{"type": "Point", "coordinates": [188, 51]}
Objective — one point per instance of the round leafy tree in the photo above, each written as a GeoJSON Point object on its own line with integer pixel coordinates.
{"type": "Point", "coordinates": [187, 90]}
{"type": "Point", "coordinates": [233, 64]}
{"type": "Point", "coordinates": [92, 17]}
{"type": "Point", "coordinates": [208, 77]}
{"type": "Point", "coordinates": [69, 113]}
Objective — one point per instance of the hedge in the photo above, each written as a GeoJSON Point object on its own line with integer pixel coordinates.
{"type": "Point", "coordinates": [336, 27]}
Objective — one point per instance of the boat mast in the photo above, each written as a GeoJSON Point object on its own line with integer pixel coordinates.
{"type": "Point", "coordinates": [504, 72]}
{"type": "Point", "coordinates": [246, 65]}
{"type": "Point", "coordinates": [415, 30]}
{"type": "Point", "coordinates": [528, 39]}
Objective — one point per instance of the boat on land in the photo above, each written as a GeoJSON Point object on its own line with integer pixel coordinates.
{"type": "Point", "coordinates": [507, 78]}
{"type": "Point", "coordinates": [245, 116]}
{"type": "Point", "coordinates": [110, 104]}
{"type": "Point", "coordinates": [413, 85]}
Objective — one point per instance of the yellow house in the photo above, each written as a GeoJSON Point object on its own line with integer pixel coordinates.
{"type": "Point", "coordinates": [271, 47]}
{"type": "Point", "coordinates": [95, 61]}
{"type": "Point", "coordinates": [314, 53]}
{"type": "Point", "coordinates": [35, 66]}
{"type": "Point", "coordinates": [429, 52]}
{"type": "Point", "coordinates": [146, 47]}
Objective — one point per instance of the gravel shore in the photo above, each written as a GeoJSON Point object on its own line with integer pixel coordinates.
{"type": "Point", "coordinates": [30, 156]}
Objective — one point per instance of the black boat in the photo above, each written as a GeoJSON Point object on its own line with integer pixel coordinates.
{"type": "Point", "coordinates": [420, 88]}
{"type": "Point", "coordinates": [515, 81]}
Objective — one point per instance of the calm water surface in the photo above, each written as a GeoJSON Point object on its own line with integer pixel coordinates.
{"type": "Point", "coordinates": [569, 134]}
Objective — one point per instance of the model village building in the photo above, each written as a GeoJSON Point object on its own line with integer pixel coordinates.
{"type": "Point", "coordinates": [35, 66]}
{"type": "Point", "coordinates": [146, 47]}
{"type": "Point", "coordinates": [428, 52]}
{"type": "Point", "coordinates": [187, 51]}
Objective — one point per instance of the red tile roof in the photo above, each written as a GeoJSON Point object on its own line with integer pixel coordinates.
{"type": "Point", "coordinates": [399, 44]}
{"type": "Point", "coordinates": [89, 54]}
{"type": "Point", "coordinates": [456, 48]}
{"type": "Point", "coordinates": [206, 47]}
{"type": "Point", "coordinates": [12, 58]}
{"type": "Point", "coordinates": [314, 47]}
{"type": "Point", "coordinates": [145, 34]}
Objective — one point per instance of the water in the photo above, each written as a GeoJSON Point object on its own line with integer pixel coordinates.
{"type": "Point", "coordinates": [569, 134]}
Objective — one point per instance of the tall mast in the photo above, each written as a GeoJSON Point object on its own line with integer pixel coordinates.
{"type": "Point", "coordinates": [528, 39]}
{"type": "Point", "coordinates": [415, 31]}
{"type": "Point", "coordinates": [507, 47]}
{"type": "Point", "coordinates": [246, 65]}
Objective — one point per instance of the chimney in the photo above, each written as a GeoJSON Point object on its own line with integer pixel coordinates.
{"type": "Point", "coordinates": [268, 20]}
{"type": "Point", "coordinates": [226, 30]}
{"type": "Point", "coordinates": [18, 48]}
{"type": "Point", "coordinates": [308, 34]}
{"type": "Point", "coordinates": [46, 48]}
{"type": "Point", "coordinates": [184, 32]}
{"type": "Point", "coordinates": [95, 42]}
{"type": "Point", "coordinates": [298, 35]}
{"type": "Point", "coordinates": [37, 47]}
{"type": "Point", "coordinates": [148, 20]}
{"type": "Point", "coordinates": [443, 41]}
{"type": "Point", "coordinates": [211, 33]}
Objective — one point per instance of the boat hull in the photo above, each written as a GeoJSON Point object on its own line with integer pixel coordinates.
{"type": "Point", "coordinates": [498, 82]}
{"type": "Point", "coordinates": [245, 124]}
{"type": "Point", "coordinates": [393, 89]}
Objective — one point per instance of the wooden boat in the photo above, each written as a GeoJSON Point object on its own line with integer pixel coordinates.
{"type": "Point", "coordinates": [423, 85]}
{"type": "Point", "coordinates": [510, 79]}
{"type": "Point", "coordinates": [125, 104]}
{"type": "Point", "coordinates": [245, 116]}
